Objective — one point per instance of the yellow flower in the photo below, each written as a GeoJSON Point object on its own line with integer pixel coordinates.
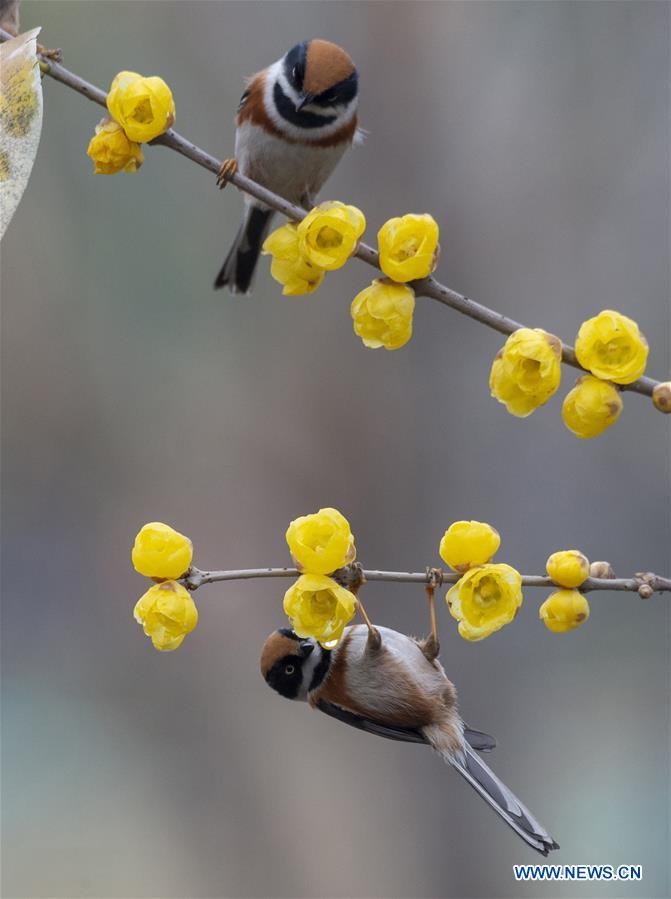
{"type": "Point", "coordinates": [112, 151]}
{"type": "Point", "coordinates": [591, 407]}
{"type": "Point", "coordinates": [322, 542]}
{"type": "Point", "coordinates": [161, 552]}
{"type": "Point", "coordinates": [382, 314]}
{"type": "Point", "coordinates": [568, 568]}
{"type": "Point", "coordinates": [167, 613]}
{"type": "Point", "coordinates": [612, 348]}
{"type": "Point", "coordinates": [142, 106]}
{"type": "Point", "coordinates": [289, 267]}
{"type": "Point", "coordinates": [485, 599]}
{"type": "Point", "coordinates": [319, 607]}
{"type": "Point", "coordinates": [408, 247]}
{"type": "Point", "coordinates": [466, 544]}
{"type": "Point", "coordinates": [329, 233]}
{"type": "Point", "coordinates": [526, 371]}
{"type": "Point", "coordinates": [564, 611]}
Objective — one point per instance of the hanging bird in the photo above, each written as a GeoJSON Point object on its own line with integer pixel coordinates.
{"type": "Point", "coordinates": [294, 122]}
{"type": "Point", "coordinates": [388, 684]}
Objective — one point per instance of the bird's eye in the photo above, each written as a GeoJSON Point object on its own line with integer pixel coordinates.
{"type": "Point", "coordinates": [289, 669]}
{"type": "Point", "coordinates": [294, 73]}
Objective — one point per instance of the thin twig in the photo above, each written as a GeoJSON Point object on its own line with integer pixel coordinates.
{"type": "Point", "coordinates": [196, 578]}
{"type": "Point", "coordinates": [428, 287]}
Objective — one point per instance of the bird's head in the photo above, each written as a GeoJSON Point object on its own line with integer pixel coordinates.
{"type": "Point", "coordinates": [320, 75]}
{"type": "Point", "coordinates": [293, 666]}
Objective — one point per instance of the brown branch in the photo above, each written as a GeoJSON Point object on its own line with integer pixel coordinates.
{"type": "Point", "coordinates": [351, 574]}
{"type": "Point", "coordinates": [428, 287]}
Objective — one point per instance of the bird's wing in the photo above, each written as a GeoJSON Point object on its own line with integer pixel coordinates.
{"type": "Point", "coordinates": [475, 738]}
{"type": "Point", "coordinates": [404, 734]}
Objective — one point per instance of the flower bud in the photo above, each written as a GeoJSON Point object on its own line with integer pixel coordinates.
{"type": "Point", "coordinates": [466, 544]}
{"type": "Point", "coordinates": [601, 570]}
{"type": "Point", "coordinates": [161, 552]}
{"type": "Point", "coordinates": [564, 611]}
{"type": "Point", "coordinates": [322, 542]}
{"type": "Point", "coordinates": [645, 591]}
{"type": "Point", "coordinates": [661, 396]}
{"type": "Point", "coordinates": [591, 407]}
{"type": "Point", "coordinates": [568, 568]}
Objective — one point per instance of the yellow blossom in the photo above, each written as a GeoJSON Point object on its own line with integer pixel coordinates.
{"type": "Point", "coordinates": [611, 346]}
{"type": "Point", "coordinates": [167, 613]}
{"type": "Point", "coordinates": [568, 568]}
{"type": "Point", "coordinates": [329, 234]}
{"type": "Point", "coordinates": [409, 247]}
{"type": "Point", "coordinates": [591, 407]}
{"type": "Point", "coordinates": [319, 607]}
{"type": "Point", "coordinates": [322, 542]}
{"type": "Point", "coordinates": [161, 552]}
{"type": "Point", "coordinates": [485, 599]}
{"type": "Point", "coordinates": [564, 611]}
{"type": "Point", "coordinates": [289, 267]}
{"type": "Point", "coordinates": [466, 544]}
{"type": "Point", "coordinates": [382, 314]}
{"type": "Point", "coordinates": [112, 151]}
{"type": "Point", "coordinates": [526, 371]}
{"type": "Point", "coordinates": [142, 106]}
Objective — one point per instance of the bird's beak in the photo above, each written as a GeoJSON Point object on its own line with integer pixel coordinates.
{"type": "Point", "coordinates": [304, 100]}
{"type": "Point", "coordinates": [306, 648]}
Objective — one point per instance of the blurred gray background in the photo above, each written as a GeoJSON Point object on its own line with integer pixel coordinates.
{"type": "Point", "coordinates": [537, 134]}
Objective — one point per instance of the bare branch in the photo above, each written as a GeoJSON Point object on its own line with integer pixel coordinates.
{"type": "Point", "coordinates": [346, 576]}
{"type": "Point", "coordinates": [428, 287]}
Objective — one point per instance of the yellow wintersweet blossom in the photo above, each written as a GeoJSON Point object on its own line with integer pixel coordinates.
{"type": "Point", "coordinates": [564, 611]}
{"type": "Point", "coordinates": [526, 371]}
{"type": "Point", "coordinates": [144, 107]}
{"type": "Point", "coordinates": [322, 542]}
{"type": "Point", "coordinates": [329, 234]}
{"type": "Point", "coordinates": [485, 599]}
{"type": "Point", "coordinates": [568, 567]}
{"type": "Point", "coordinates": [409, 247]}
{"type": "Point", "coordinates": [382, 314]}
{"type": "Point", "coordinates": [466, 544]}
{"type": "Point", "coordinates": [112, 151]}
{"type": "Point", "coordinates": [167, 613]}
{"type": "Point", "coordinates": [296, 274]}
{"type": "Point", "coordinates": [161, 552]}
{"type": "Point", "coordinates": [591, 407]}
{"type": "Point", "coordinates": [319, 607]}
{"type": "Point", "coordinates": [611, 346]}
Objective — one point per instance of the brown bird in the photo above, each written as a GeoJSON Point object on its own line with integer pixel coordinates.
{"type": "Point", "coordinates": [295, 120]}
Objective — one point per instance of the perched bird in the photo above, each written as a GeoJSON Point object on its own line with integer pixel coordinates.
{"type": "Point", "coordinates": [294, 122]}
{"type": "Point", "coordinates": [386, 683]}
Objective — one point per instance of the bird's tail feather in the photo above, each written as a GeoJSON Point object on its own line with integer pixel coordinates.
{"type": "Point", "coordinates": [238, 269]}
{"type": "Point", "coordinates": [493, 791]}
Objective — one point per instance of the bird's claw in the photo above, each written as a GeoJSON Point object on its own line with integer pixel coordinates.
{"type": "Point", "coordinates": [53, 55]}
{"type": "Point", "coordinates": [226, 171]}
